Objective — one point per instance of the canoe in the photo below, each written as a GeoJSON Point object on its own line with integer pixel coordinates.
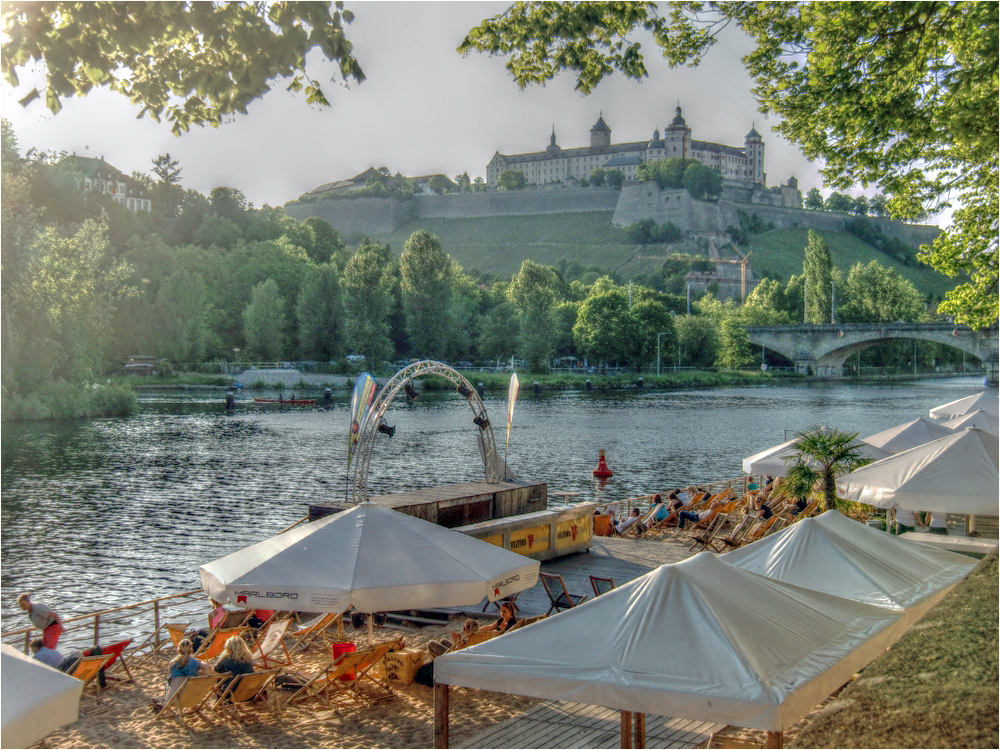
{"type": "Point", "coordinates": [293, 401]}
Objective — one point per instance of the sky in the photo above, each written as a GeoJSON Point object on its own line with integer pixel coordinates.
{"type": "Point", "coordinates": [424, 109]}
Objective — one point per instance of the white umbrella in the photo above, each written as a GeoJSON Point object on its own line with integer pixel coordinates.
{"type": "Point", "coordinates": [771, 462]}
{"type": "Point", "coordinates": [977, 418]}
{"type": "Point", "coordinates": [986, 401]}
{"type": "Point", "coordinates": [905, 436]}
{"type": "Point", "coordinates": [837, 555]}
{"type": "Point", "coordinates": [954, 474]}
{"type": "Point", "coordinates": [371, 558]}
{"type": "Point", "coordinates": [35, 699]}
{"type": "Point", "coordinates": [700, 639]}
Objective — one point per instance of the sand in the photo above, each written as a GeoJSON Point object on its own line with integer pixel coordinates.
{"type": "Point", "coordinates": [123, 717]}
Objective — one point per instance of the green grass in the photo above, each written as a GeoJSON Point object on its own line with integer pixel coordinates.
{"type": "Point", "coordinates": [937, 687]}
{"type": "Point", "coordinates": [781, 251]}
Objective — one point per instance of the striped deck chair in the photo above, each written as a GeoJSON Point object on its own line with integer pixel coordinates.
{"type": "Point", "coordinates": [216, 642]}
{"type": "Point", "coordinates": [190, 699]}
{"type": "Point", "coordinates": [267, 650]}
{"type": "Point", "coordinates": [86, 671]}
{"type": "Point", "coordinates": [249, 692]}
{"type": "Point", "coordinates": [313, 629]}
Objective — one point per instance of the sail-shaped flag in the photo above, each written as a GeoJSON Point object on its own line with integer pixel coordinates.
{"type": "Point", "coordinates": [361, 399]}
{"type": "Point", "coordinates": [512, 390]}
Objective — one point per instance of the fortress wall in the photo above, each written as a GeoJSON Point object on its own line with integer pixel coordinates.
{"type": "Point", "coordinates": [913, 234]}
{"type": "Point", "coordinates": [515, 203]}
{"type": "Point", "coordinates": [358, 215]}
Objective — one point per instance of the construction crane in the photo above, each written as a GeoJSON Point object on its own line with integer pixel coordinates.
{"type": "Point", "coordinates": [742, 263]}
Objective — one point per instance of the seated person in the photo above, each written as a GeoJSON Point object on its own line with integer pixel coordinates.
{"type": "Point", "coordinates": [685, 496]}
{"type": "Point", "coordinates": [259, 617]}
{"type": "Point", "coordinates": [760, 509]}
{"type": "Point", "coordinates": [628, 523]}
{"type": "Point", "coordinates": [660, 510]}
{"type": "Point", "coordinates": [182, 666]}
{"type": "Point", "coordinates": [236, 659]}
{"type": "Point", "coordinates": [69, 663]}
{"type": "Point", "coordinates": [673, 501]}
{"type": "Point", "coordinates": [798, 506]}
{"type": "Point", "coordinates": [696, 516]}
{"type": "Point", "coordinates": [506, 620]}
{"type": "Point", "coordinates": [45, 655]}
{"type": "Point", "coordinates": [457, 640]}
{"type": "Point", "coordinates": [196, 635]}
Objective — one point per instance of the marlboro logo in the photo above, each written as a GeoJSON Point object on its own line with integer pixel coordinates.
{"type": "Point", "coordinates": [574, 532]}
{"type": "Point", "coordinates": [531, 540]}
{"type": "Point", "coordinates": [241, 599]}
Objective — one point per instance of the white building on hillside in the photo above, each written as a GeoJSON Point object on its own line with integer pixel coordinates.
{"type": "Point", "coordinates": [743, 166]}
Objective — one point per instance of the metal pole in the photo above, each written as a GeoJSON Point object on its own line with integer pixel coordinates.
{"type": "Point", "coordinates": [658, 353]}
{"type": "Point", "coordinates": [689, 297]}
{"type": "Point", "coordinates": [833, 302]}
{"type": "Point", "coordinates": [805, 300]}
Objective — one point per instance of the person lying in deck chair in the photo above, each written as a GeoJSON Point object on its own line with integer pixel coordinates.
{"type": "Point", "coordinates": [457, 639]}
{"type": "Point", "coordinates": [631, 521]}
{"type": "Point", "coordinates": [696, 516]}
{"type": "Point", "coordinates": [505, 622]}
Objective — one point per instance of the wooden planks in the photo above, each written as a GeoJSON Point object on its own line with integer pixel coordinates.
{"type": "Point", "coordinates": [559, 724]}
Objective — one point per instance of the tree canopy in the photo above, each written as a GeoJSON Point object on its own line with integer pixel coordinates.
{"type": "Point", "coordinates": [901, 95]}
{"type": "Point", "coordinates": [193, 62]}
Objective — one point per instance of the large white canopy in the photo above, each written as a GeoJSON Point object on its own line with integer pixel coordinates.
{"type": "Point", "coordinates": [909, 435]}
{"type": "Point", "coordinates": [370, 557]}
{"type": "Point", "coordinates": [771, 462]}
{"type": "Point", "coordinates": [954, 474]}
{"type": "Point", "coordinates": [35, 699]}
{"type": "Point", "coordinates": [699, 639]}
{"type": "Point", "coordinates": [837, 555]}
{"type": "Point", "coordinates": [986, 401]}
{"type": "Point", "coordinates": [978, 418]}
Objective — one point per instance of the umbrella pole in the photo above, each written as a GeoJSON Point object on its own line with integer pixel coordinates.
{"type": "Point", "coordinates": [371, 629]}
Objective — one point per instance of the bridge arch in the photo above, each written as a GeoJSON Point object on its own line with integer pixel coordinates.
{"type": "Point", "coordinates": [385, 397]}
{"type": "Point", "coordinates": [822, 349]}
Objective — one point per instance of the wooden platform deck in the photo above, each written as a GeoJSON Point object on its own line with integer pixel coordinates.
{"type": "Point", "coordinates": [610, 557]}
{"type": "Point", "coordinates": [555, 724]}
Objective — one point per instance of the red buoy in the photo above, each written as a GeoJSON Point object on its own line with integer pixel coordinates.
{"type": "Point", "coordinates": [602, 469]}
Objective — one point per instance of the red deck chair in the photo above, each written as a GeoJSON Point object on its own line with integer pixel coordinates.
{"type": "Point", "coordinates": [116, 651]}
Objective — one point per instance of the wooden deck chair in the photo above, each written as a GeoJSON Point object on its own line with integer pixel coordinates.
{"type": "Point", "coordinates": [190, 699]}
{"type": "Point", "coordinates": [703, 538]}
{"type": "Point", "coordinates": [601, 585]}
{"type": "Point", "coordinates": [216, 642]}
{"type": "Point", "coordinates": [365, 674]}
{"type": "Point", "coordinates": [116, 651]}
{"type": "Point", "coordinates": [311, 630]}
{"type": "Point", "coordinates": [267, 650]}
{"type": "Point", "coordinates": [480, 636]}
{"type": "Point", "coordinates": [735, 538]}
{"type": "Point", "coordinates": [524, 622]}
{"type": "Point", "coordinates": [231, 619]}
{"type": "Point", "coordinates": [602, 525]}
{"type": "Point", "coordinates": [559, 596]}
{"type": "Point", "coordinates": [326, 684]}
{"type": "Point", "coordinates": [86, 671]}
{"type": "Point", "coordinates": [176, 631]}
{"type": "Point", "coordinates": [761, 529]}
{"type": "Point", "coordinates": [248, 692]}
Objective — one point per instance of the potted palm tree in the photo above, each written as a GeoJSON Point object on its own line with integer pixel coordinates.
{"type": "Point", "coordinates": [823, 454]}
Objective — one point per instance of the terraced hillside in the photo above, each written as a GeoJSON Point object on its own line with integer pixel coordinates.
{"type": "Point", "coordinates": [498, 244]}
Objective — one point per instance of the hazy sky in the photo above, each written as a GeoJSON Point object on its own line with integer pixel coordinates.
{"type": "Point", "coordinates": [422, 110]}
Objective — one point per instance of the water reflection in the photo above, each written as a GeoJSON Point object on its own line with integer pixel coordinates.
{"type": "Point", "coordinates": [99, 512]}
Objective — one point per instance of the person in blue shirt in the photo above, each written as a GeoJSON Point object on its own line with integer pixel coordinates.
{"type": "Point", "coordinates": [182, 666]}
{"type": "Point", "coordinates": [46, 655]}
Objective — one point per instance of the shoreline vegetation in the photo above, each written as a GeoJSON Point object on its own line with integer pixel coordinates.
{"type": "Point", "coordinates": [117, 397]}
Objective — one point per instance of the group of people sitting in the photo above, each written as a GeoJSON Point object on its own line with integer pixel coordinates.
{"type": "Point", "coordinates": [506, 620]}
{"type": "Point", "coordinates": [236, 659]}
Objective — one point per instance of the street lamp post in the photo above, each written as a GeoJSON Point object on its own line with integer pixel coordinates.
{"type": "Point", "coordinates": [833, 302]}
{"type": "Point", "coordinates": [658, 336]}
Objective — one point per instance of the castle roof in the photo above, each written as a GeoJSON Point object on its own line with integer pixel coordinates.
{"type": "Point", "coordinates": [624, 160]}
{"type": "Point", "coordinates": [753, 134]}
{"type": "Point", "coordinates": [678, 121]}
{"type": "Point", "coordinates": [600, 125]}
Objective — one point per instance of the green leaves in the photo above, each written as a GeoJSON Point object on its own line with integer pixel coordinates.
{"type": "Point", "coordinates": [192, 62]}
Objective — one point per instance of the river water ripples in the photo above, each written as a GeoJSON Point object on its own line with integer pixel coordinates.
{"type": "Point", "coordinates": [103, 512]}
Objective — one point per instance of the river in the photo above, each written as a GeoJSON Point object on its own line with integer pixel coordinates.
{"type": "Point", "coordinates": [108, 511]}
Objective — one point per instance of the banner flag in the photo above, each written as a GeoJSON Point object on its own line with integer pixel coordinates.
{"type": "Point", "coordinates": [512, 390]}
{"type": "Point", "coordinates": [361, 399]}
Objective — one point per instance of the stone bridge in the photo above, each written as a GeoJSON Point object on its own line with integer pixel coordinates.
{"type": "Point", "coordinates": [822, 349]}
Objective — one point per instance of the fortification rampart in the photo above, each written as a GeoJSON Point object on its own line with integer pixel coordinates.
{"type": "Point", "coordinates": [633, 202]}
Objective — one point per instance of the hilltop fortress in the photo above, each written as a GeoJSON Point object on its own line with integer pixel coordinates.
{"type": "Point", "coordinates": [555, 185]}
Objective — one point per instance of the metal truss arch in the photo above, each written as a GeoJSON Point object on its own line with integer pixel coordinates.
{"type": "Point", "coordinates": [385, 397]}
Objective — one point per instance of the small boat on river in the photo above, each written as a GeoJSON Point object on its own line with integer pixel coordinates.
{"type": "Point", "coordinates": [292, 401]}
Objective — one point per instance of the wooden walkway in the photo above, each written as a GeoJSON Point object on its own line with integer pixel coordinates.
{"type": "Point", "coordinates": [559, 724]}
{"type": "Point", "coordinates": [610, 557]}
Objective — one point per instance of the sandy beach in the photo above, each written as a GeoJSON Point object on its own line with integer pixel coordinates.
{"type": "Point", "coordinates": [123, 717]}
